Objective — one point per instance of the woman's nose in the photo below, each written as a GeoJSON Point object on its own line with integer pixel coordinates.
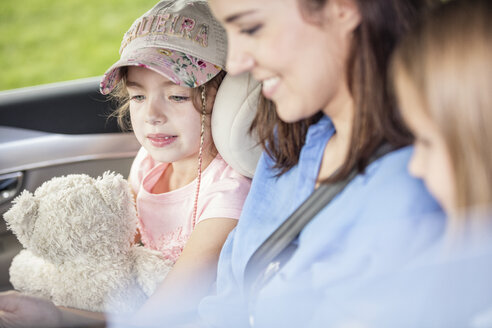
{"type": "Point", "coordinates": [239, 59]}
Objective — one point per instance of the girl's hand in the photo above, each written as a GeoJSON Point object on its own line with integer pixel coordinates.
{"type": "Point", "coordinates": [19, 310]}
{"type": "Point", "coordinates": [137, 240]}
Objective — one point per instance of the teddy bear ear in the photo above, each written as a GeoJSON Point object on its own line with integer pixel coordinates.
{"type": "Point", "coordinates": [21, 216]}
{"type": "Point", "coordinates": [116, 191]}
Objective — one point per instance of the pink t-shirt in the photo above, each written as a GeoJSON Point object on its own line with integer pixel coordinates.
{"type": "Point", "coordinates": [166, 220]}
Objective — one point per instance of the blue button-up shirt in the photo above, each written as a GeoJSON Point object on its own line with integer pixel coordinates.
{"type": "Point", "coordinates": [345, 244]}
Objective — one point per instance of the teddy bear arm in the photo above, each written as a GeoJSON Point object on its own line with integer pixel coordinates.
{"type": "Point", "coordinates": [150, 268]}
{"type": "Point", "coordinates": [32, 275]}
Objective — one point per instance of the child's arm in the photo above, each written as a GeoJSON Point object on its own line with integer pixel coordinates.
{"type": "Point", "coordinates": [193, 274]}
{"type": "Point", "coordinates": [83, 316]}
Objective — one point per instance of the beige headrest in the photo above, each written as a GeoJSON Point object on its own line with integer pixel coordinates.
{"type": "Point", "coordinates": [234, 109]}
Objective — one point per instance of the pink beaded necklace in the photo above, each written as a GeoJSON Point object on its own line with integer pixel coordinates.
{"type": "Point", "coordinates": [199, 177]}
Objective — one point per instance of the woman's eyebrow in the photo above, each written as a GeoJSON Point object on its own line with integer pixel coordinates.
{"type": "Point", "coordinates": [235, 17]}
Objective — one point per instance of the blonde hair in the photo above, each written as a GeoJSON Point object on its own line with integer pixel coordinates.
{"type": "Point", "coordinates": [448, 59]}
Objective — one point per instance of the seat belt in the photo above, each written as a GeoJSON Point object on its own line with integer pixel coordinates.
{"type": "Point", "coordinates": [278, 248]}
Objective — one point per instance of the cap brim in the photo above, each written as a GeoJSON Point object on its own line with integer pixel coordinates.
{"type": "Point", "coordinates": [176, 66]}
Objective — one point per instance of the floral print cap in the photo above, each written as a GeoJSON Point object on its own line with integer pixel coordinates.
{"type": "Point", "coordinates": [178, 67]}
{"type": "Point", "coordinates": [180, 39]}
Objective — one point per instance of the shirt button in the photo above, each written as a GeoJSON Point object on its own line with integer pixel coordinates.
{"type": "Point", "coordinates": [251, 320]}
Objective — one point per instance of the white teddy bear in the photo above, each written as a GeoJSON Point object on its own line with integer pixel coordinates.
{"type": "Point", "coordinates": [78, 235]}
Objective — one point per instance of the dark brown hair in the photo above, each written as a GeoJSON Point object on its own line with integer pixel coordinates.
{"type": "Point", "coordinates": [376, 119]}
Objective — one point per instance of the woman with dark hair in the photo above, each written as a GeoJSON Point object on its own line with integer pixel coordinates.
{"type": "Point", "coordinates": [327, 115]}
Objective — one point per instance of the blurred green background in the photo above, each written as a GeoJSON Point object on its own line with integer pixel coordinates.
{"type": "Point", "coordinates": [44, 41]}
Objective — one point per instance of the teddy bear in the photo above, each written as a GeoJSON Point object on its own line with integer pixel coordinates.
{"type": "Point", "coordinates": [79, 251]}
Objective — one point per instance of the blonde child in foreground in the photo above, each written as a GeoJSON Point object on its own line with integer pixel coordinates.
{"type": "Point", "coordinates": [188, 198]}
{"type": "Point", "coordinates": [442, 73]}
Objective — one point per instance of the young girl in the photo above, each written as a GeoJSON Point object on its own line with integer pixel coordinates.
{"type": "Point", "coordinates": [444, 93]}
{"type": "Point", "coordinates": [188, 198]}
{"type": "Point", "coordinates": [443, 77]}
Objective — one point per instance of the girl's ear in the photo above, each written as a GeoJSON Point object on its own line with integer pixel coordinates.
{"type": "Point", "coordinates": [22, 216]}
